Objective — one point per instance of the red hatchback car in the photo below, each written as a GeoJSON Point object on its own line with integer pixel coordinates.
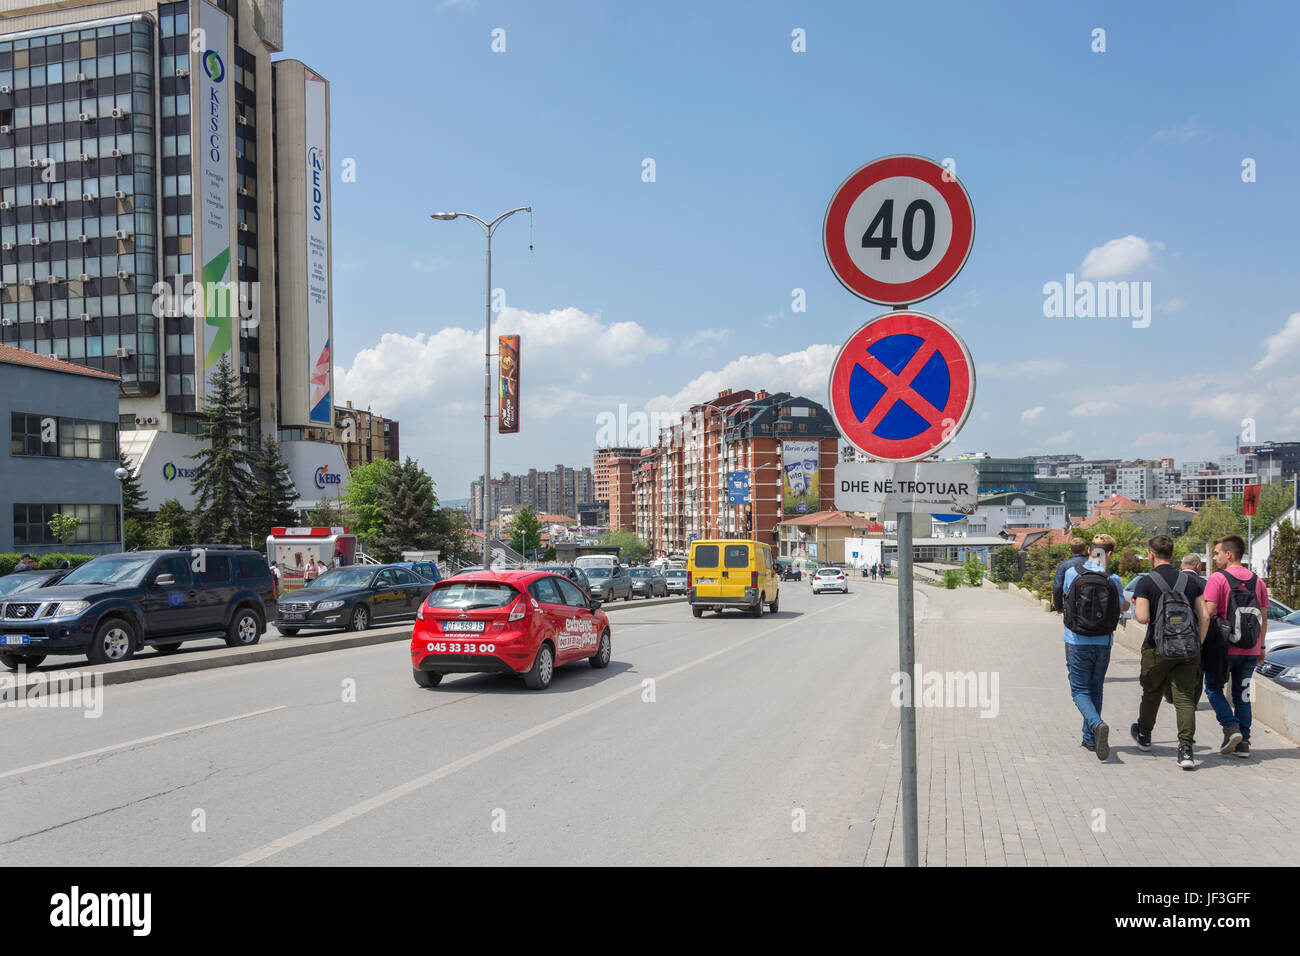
{"type": "Point", "coordinates": [507, 622]}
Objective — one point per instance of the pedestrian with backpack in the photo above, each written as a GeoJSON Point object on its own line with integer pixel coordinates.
{"type": "Point", "coordinates": [1078, 555]}
{"type": "Point", "coordinates": [1235, 598]}
{"type": "Point", "coordinates": [1170, 604]}
{"type": "Point", "coordinates": [1093, 604]}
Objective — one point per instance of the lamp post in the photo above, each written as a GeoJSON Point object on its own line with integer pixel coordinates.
{"type": "Point", "coordinates": [121, 474]}
{"type": "Point", "coordinates": [488, 229]}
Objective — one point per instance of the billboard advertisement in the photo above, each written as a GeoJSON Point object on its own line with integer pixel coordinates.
{"type": "Point", "coordinates": [800, 477]}
{"type": "Point", "coordinates": [737, 487]}
{"type": "Point", "coordinates": [216, 144]}
{"type": "Point", "coordinates": [318, 251]}
{"type": "Point", "coordinates": [508, 384]}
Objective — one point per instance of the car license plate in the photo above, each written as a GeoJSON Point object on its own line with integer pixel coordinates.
{"type": "Point", "coordinates": [17, 639]}
{"type": "Point", "coordinates": [707, 581]}
{"type": "Point", "coordinates": [293, 615]}
{"type": "Point", "coordinates": [471, 626]}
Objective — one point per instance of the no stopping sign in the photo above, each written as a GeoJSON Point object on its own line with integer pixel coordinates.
{"type": "Point", "coordinates": [898, 230]}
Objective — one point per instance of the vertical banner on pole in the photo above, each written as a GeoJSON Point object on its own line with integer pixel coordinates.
{"type": "Point", "coordinates": [508, 385]}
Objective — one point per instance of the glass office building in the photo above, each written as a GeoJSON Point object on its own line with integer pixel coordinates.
{"type": "Point", "coordinates": [164, 203]}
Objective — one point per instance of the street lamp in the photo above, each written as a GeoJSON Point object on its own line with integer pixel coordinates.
{"type": "Point", "coordinates": [121, 474]}
{"type": "Point", "coordinates": [488, 229]}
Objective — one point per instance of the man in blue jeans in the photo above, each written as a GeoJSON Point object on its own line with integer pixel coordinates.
{"type": "Point", "coordinates": [1234, 718]}
{"type": "Point", "coordinates": [1087, 657]}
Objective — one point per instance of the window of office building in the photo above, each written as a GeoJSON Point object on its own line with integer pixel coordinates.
{"type": "Point", "coordinates": [99, 524]}
{"type": "Point", "coordinates": [53, 437]}
{"type": "Point", "coordinates": [77, 198]}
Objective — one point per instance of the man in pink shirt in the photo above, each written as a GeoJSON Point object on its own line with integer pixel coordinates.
{"type": "Point", "coordinates": [1234, 717]}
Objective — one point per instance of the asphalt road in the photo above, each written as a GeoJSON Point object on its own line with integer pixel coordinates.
{"type": "Point", "coordinates": [749, 746]}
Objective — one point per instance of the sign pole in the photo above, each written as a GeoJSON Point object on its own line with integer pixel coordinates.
{"type": "Point", "coordinates": [907, 665]}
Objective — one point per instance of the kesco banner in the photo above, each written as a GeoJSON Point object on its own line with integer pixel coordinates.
{"type": "Point", "coordinates": [215, 144]}
{"type": "Point", "coordinates": [508, 385]}
{"type": "Point", "coordinates": [800, 477]}
{"type": "Point", "coordinates": [318, 251]}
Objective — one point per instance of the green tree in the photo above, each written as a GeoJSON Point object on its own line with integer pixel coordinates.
{"type": "Point", "coordinates": [133, 497]}
{"type": "Point", "coordinates": [451, 537]}
{"type": "Point", "coordinates": [973, 570]}
{"type": "Point", "coordinates": [525, 531]}
{"type": "Point", "coordinates": [406, 512]}
{"type": "Point", "coordinates": [171, 525]}
{"type": "Point", "coordinates": [64, 527]}
{"type": "Point", "coordinates": [952, 579]}
{"type": "Point", "coordinates": [1213, 521]}
{"type": "Point", "coordinates": [632, 548]}
{"type": "Point", "coordinates": [222, 482]}
{"type": "Point", "coordinates": [136, 533]}
{"type": "Point", "coordinates": [271, 503]}
{"type": "Point", "coordinates": [1040, 570]}
{"type": "Point", "coordinates": [326, 514]}
{"type": "Point", "coordinates": [1006, 564]}
{"type": "Point", "coordinates": [1284, 565]}
{"type": "Point", "coordinates": [362, 495]}
{"type": "Point", "coordinates": [1130, 563]}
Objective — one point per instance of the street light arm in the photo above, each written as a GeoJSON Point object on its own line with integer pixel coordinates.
{"type": "Point", "coordinates": [506, 215]}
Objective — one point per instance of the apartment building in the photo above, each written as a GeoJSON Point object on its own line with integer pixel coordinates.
{"type": "Point", "coordinates": [365, 436]}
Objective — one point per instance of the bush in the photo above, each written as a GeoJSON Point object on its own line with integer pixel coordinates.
{"type": "Point", "coordinates": [1006, 564]}
{"type": "Point", "coordinates": [973, 570]}
{"type": "Point", "coordinates": [46, 562]}
{"type": "Point", "coordinates": [952, 579]}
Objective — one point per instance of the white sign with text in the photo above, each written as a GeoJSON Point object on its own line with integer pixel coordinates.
{"type": "Point", "coordinates": [918, 487]}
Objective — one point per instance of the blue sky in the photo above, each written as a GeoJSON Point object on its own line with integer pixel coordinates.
{"type": "Point", "coordinates": [656, 294]}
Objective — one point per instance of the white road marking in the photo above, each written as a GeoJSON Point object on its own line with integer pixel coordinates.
{"type": "Point", "coordinates": [136, 742]}
{"type": "Point", "coordinates": [348, 814]}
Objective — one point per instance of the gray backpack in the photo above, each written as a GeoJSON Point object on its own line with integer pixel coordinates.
{"type": "Point", "coordinates": [1175, 631]}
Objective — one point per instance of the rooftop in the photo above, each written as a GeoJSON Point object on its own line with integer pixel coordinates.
{"type": "Point", "coordinates": [12, 356]}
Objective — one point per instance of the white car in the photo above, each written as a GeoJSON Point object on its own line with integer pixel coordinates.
{"type": "Point", "coordinates": [676, 578]}
{"type": "Point", "coordinates": [830, 579]}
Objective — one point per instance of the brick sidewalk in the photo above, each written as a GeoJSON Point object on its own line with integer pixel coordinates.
{"type": "Point", "coordinates": [1017, 789]}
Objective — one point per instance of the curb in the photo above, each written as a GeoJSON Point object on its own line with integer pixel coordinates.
{"type": "Point", "coordinates": [281, 649]}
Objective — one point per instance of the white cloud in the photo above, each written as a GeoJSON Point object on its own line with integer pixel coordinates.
{"type": "Point", "coordinates": [438, 369]}
{"type": "Point", "coordinates": [1281, 344]}
{"type": "Point", "coordinates": [1225, 406]}
{"type": "Point", "coordinates": [1092, 408]}
{"type": "Point", "coordinates": [1025, 369]}
{"type": "Point", "coordinates": [1171, 306]}
{"type": "Point", "coordinates": [1032, 414]}
{"type": "Point", "coordinates": [1118, 257]}
{"type": "Point", "coordinates": [429, 264]}
{"type": "Point", "coordinates": [706, 337]}
{"type": "Point", "coordinates": [1180, 132]}
{"type": "Point", "coordinates": [803, 373]}
{"type": "Point", "coordinates": [1060, 439]}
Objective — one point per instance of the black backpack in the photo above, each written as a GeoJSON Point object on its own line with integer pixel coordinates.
{"type": "Point", "coordinates": [1091, 605]}
{"type": "Point", "coordinates": [1245, 617]}
{"type": "Point", "coordinates": [1174, 630]}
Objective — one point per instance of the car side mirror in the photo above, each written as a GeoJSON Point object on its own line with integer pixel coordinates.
{"type": "Point", "coordinates": [164, 581]}
{"type": "Point", "coordinates": [593, 605]}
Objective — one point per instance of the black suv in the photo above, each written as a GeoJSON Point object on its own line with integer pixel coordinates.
{"type": "Point", "coordinates": [113, 605]}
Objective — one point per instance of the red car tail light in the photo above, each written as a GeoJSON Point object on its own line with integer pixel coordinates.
{"type": "Point", "coordinates": [688, 578]}
{"type": "Point", "coordinates": [519, 610]}
{"type": "Point", "coordinates": [753, 579]}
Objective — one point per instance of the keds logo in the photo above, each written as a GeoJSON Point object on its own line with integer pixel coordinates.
{"type": "Point", "coordinates": [316, 163]}
{"type": "Point", "coordinates": [325, 477]}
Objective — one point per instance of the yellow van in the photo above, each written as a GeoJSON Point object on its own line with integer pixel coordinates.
{"type": "Point", "coordinates": [731, 572]}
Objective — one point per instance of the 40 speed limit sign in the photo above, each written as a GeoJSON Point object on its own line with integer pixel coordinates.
{"type": "Point", "coordinates": [898, 230]}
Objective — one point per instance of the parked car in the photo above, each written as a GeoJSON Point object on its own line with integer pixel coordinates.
{"type": "Point", "coordinates": [791, 573]}
{"type": "Point", "coordinates": [21, 581]}
{"type": "Point", "coordinates": [353, 598]}
{"type": "Point", "coordinates": [472, 570]}
{"type": "Point", "coordinates": [1282, 666]}
{"type": "Point", "coordinates": [675, 579]}
{"type": "Point", "coordinates": [649, 583]}
{"type": "Point", "coordinates": [732, 572]}
{"type": "Point", "coordinates": [830, 579]}
{"type": "Point", "coordinates": [115, 604]}
{"type": "Point", "coordinates": [1283, 632]}
{"type": "Point", "coordinates": [513, 622]}
{"type": "Point", "coordinates": [425, 569]}
{"type": "Point", "coordinates": [609, 583]}
{"type": "Point", "coordinates": [573, 573]}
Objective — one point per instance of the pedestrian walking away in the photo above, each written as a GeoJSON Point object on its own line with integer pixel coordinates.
{"type": "Point", "coordinates": [1170, 604]}
{"type": "Point", "coordinates": [1093, 604]}
{"type": "Point", "coordinates": [1194, 564]}
{"type": "Point", "coordinates": [1078, 555]}
{"type": "Point", "coordinates": [1236, 598]}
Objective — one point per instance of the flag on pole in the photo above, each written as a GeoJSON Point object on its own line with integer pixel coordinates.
{"type": "Point", "coordinates": [1250, 499]}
